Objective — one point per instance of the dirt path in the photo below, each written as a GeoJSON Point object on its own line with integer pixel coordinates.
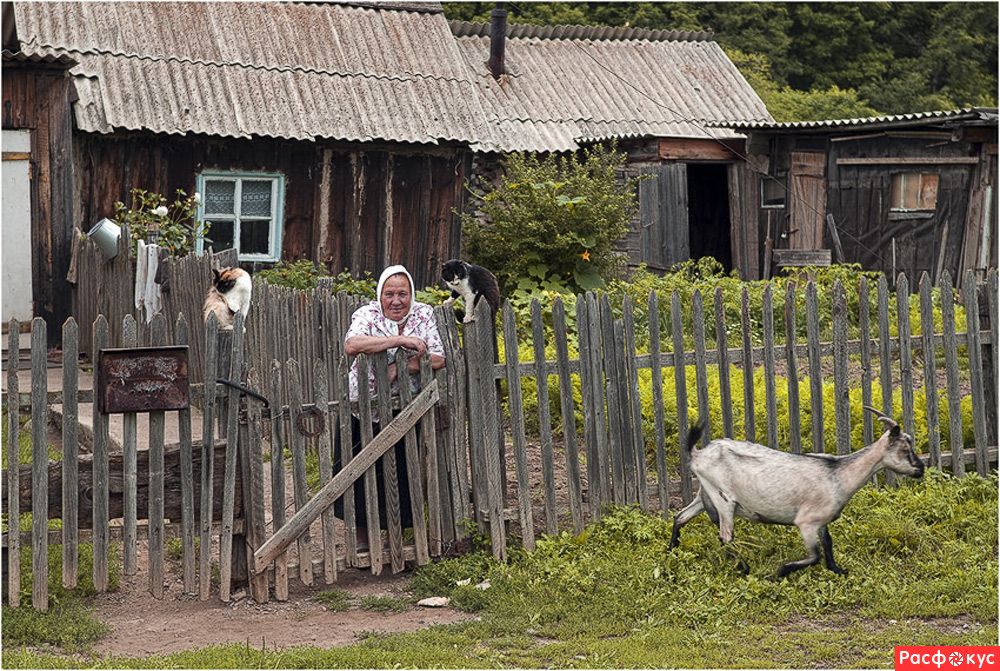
{"type": "Point", "coordinates": [144, 625]}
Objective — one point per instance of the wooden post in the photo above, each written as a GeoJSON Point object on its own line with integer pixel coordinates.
{"type": "Point", "coordinates": [525, 516]}
{"type": "Point", "coordinates": [13, 547]}
{"type": "Point", "coordinates": [208, 456]}
{"type": "Point", "coordinates": [130, 338]}
{"type": "Point", "coordinates": [71, 449]}
{"type": "Point", "coordinates": [544, 418]}
{"type": "Point", "coordinates": [156, 490]}
{"type": "Point", "coordinates": [568, 409]}
{"type": "Point", "coordinates": [100, 510]}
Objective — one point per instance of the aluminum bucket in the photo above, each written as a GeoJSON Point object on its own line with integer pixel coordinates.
{"type": "Point", "coordinates": [106, 233]}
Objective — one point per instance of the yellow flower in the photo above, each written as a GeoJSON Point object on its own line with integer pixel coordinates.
{"type": "Point", "coordinates": [586, 255]}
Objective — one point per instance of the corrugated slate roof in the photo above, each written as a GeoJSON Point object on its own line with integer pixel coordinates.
{"type": "Point", "coordinates": [562, 91]}
{"type": "Point", "coordinates": [377, 71]}
{"type": "Point", "coordinates": [984, 114]}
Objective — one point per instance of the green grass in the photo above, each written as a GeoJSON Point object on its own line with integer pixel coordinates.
{"type": "Point", "coordinates": [923, 571]}
{"type": "Point", "coordinates": [334, 599]}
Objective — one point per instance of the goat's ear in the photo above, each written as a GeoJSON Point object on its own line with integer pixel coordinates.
{"type": "Point", "coordinates": [894, 431]}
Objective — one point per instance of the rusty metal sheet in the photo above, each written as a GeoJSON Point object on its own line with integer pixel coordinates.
{"type": "Point", "coordinates": [142, 379]}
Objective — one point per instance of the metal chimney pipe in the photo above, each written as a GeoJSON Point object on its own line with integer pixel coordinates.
{"type": "Point", "coordinates": [498, 38]}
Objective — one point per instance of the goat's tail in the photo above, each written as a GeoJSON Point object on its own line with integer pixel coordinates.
{"type": "Point", "coordinates": [694, 435]}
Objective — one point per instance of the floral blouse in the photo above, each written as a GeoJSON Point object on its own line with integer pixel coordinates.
{"type": "Point", "coordinates": [369, 321]}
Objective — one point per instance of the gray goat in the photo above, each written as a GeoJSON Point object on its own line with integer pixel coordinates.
{"type": "Point", "coordinates": [760, 484]}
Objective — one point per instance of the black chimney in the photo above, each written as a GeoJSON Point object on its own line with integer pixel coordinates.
{"type": "Point", "coordinates": [498, 36]}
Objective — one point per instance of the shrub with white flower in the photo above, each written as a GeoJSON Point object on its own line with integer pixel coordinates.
{"type": "Point", "coordinates": [176, 223]}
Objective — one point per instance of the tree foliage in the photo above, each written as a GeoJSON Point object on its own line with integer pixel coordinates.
{"type": "Point", "coordinates": [824, 59]}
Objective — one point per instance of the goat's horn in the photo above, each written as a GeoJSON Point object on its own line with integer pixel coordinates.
{"type": "Point", "coordinates": [885, 419]}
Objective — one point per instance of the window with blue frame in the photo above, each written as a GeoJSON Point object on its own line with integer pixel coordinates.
{"type": "Point", "coordinates": [244, 212]}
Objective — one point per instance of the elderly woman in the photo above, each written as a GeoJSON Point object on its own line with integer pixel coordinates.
{"type": "Point", "coordinates": [393, 320]}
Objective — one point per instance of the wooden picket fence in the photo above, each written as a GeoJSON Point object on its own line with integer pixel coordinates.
{"type": "Point", "coordinates": [606, 445]}
{"type": "Point", "coordinates": [107, 287]}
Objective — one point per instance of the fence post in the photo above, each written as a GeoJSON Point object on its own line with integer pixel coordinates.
{"type": "Point", "coordinates": [209, 405]}
{"type": "Point", "coordinates": [568, 412]}
{"type": "Point", "coordinates": [71, 453]}
{"type": "Point", "coordinates": [100, 473]}
{"type": "Point", "coordinates": [930, 370]}
{"type": "Point", "coordinates": [680, 389]}
{"type": "Point", "coordinates": [951, 369]}
{"type": "Point", "coordinates": [544, 418]}
{"type": "Point", "coordinates": [749, 409]}
{"type": "Point", "coordinates": [792, 366]}
{"type": "Point", "coordinates": [130, 482]}
{"type": "Point", "coordinates": [525, 517]}
{"type": "Point", "coordinates": [841, 388]}
{"type": "Point", "coordinates": [156, 490]}
{"type": "Point", "coordinates": [13, 548]}
{"type": "Point", "coordinates": [976, 372]}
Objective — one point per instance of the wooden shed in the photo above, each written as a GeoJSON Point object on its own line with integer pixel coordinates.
{"type": "Point", "coordinates": [912, 193]}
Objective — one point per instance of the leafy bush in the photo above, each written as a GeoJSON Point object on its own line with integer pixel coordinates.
{"type": "Point", "coordinates": [177, 222]}
{"type": "Point", "coordinates": [553, 221]}
{"type": "Point", "coordinates": [301, 275]}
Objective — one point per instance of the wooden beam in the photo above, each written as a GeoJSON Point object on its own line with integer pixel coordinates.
{"type": "Point", "coordinates": [694, 149]}
{"type": "Point", "coordinates": [910, 160]}
{"type": "Point", "coordinates": [336, 487]}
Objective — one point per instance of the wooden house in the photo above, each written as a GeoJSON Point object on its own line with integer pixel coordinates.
{"type": "Point", "coordinates": [345, 132]}
{"type": "Point", "coordinates": [900, 194]}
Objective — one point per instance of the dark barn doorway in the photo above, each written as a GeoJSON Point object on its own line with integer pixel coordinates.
{"type": "Point", "coordinates": [708, 212]}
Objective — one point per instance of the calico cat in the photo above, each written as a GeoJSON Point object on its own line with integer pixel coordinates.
{"type": "Point", "coordinates": [472, 283]}
{"type": "Point", "coordinates": [230, 293]}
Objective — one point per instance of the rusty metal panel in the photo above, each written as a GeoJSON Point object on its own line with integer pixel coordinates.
{"type": "Point", "coordinates": [142, 379]}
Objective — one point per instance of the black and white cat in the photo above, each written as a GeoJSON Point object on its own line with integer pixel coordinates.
{"type": "Point", "coordinates": [471, 283]}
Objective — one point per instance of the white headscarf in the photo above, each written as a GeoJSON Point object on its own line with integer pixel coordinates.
{"type": "Point", "coordinates": [386, 274]}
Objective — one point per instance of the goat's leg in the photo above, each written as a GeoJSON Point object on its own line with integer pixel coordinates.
{"type": "Point", "coordinates": [811, 540]}
{"type": "Point", "coordinates": [827, 540]}
{"type": "Point", "coordinates": [688, 513]}
{"type": "Point", "coordinates": [727, 521]}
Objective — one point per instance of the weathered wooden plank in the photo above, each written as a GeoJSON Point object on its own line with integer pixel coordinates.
{"type": "Point", "coordinates": [815, 372]}
{"type": "Point", "coordinates": [841, 386]}
{"type": "Point", "coordinates": [656, 386]}
{"type": "Point", "coordinates": [598, 450]}
{"type": "Point", "coordinates": [516, 404]}
{"type": "Point", "coordinates": [435, 473]}
{"type": "Point", "coordinates": [971, 290]}
{"type": "Point", "coordinates": [885, 346]}
{"type": "Point", "coordinates": [252, 461]}
{"type": "Point", "coordinates": [905, 352]}
{"type": "Point", "coordinates": [346, 449]}
{"type": "Point", "coordinates": [209, 404]}
{"type": "Point", "coordinates": [100, 496]}
{"type": "Point", "coordinates": [992, 296]}
{"type": "Point", "coordinates": [680, 386]}
{"type": "Point", "coordinates": [13, 463]}
{"type": "Point", "coordinates": [865, 345]}
{"type": "Point", "coordinates": [701, 361]}
{"type": "Point", "coordinates": [635, 403]}
{"type": "Point", "coordinates": [792, 372]}
{"type": "Point", "coordinates": [278, 481]}
{"type": "Point", "coordinates": [390, 480]}
{"type": "Point", "coordinates": [544, 418]}
{"type": "Point", "coordinates": [156, 492]}
{"type": "Point", "coordinates": [568, 410]}
{"type": "Point", "coordinates": [619, 381]}
{"type": "Point", "coordinates": [610, 377]}
{"type": "Point", "coordinates": [770, 391]}
{"type": "Point", "coordinates": [70, 449]}
{"type": "Point", "coordinates": [188, 567]}
{"type": "Point", "coordinates": [477, 441]}
{"type": "Point", "coordinates": [749, 409]}
{"type": "Point", "coordinates": [453, 438]}
{"type": "Point", "coordinates": [594, 494]}
{"type": "Point", "coordinates": [130, 338]}
{"type": "Point", "coordinates": [930, 370]}
{"type": "Point", "coordinates": [325, 457]}
{"type": "Point", "coordinates": [300, 490]}
{"type": "Point", "coordinates": [361, 463]}
{"type": "Point", "coordinates": [722, 354]}
{"type": "Point", "coordinates": [951, 373]}
{"type": "Point", "coordinates": [371, 498]}
{"type": "Point", "coordinates": [495, 466]}
{"type": "Point", "coordinates": [231, 436]}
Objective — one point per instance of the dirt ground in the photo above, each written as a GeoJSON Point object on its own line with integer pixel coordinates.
{"type": "Point", "coordinates": [143, 625]}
